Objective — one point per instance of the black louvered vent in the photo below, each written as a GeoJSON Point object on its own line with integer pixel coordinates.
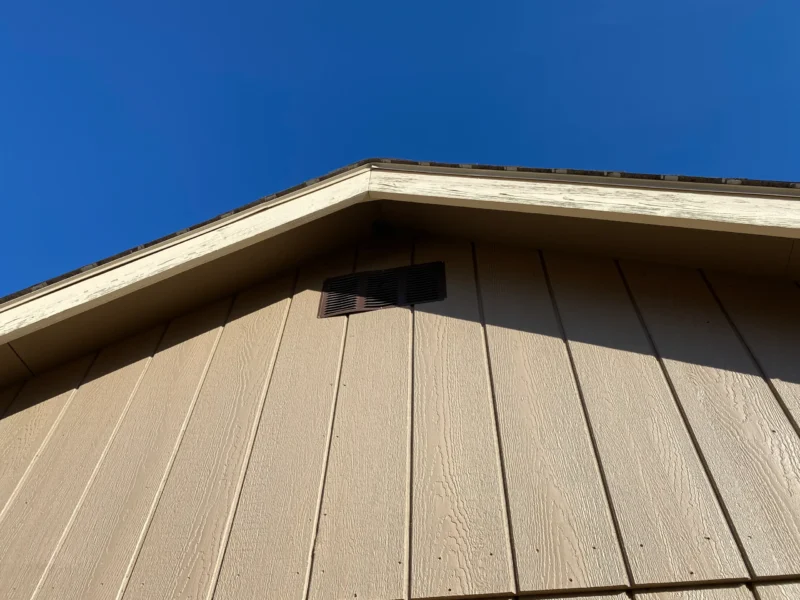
{"type": "Point", "coordinates": [372, 290]}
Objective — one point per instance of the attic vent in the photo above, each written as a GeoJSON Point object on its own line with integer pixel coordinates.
{"type": "Point", "coordinates": [371, 290]}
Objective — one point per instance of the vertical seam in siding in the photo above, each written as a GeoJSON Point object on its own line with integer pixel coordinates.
{"type": "Point", "coordinates": [46, 439]}
{"type": "Point", "coordinates": [754, 591]}
{"type": "Point", "coordinates": [326, 456]}
{"type": "Point", "coordinates": [212, 587]}
{"type": "Point", "coordinates": [761, 371]}
{"type": "Point", "coordinates": [497, 440]}
{"type": "Point", "coordinates": [686, 423]}
{"type": "Point", "coordinates": [168, 470]}
{"type": "Point", "coordinates": [98, 464]}
{"type": "Point", "coordinates": [27, 368]}
{"type": "Point", "coordinates": [410, 445]}
{"type": "Point", "coordinates": [587, 419]}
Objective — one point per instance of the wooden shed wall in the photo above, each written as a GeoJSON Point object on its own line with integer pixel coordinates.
{"type": "Point", "coordinates": [558, 425]}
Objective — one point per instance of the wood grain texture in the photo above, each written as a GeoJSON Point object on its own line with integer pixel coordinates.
{"type": "Point", "coordinates": [43, 508]}
{"type": "Point", "coordinates": [778, 591]}
{"type": "Point", "coordinates": [717, 212]}
{"type": "Point", "coordinates": [181, 551]}
{"type": "Point", "coordinates": [765, 311]}
{"type": "Point", "coordinates": [564, 535]}
{"type": "Point", "coordinates": [459, 528]}
{"type": "Point", "coordinates": [361, 541]}
{"type": "Point", "coordinates": [751, 449]}
{"type": "Point", "coordinates": [11, 367]}
{"type": "Point", "coordinates": [174, 256]}
{"type": "Point", "coordinates": [30, 419]}
{"type": "Point", "coordinates": [94, 557]}
{"type": "Point", "coordinates": [270, 543]}
{"type": "Point", "coordinates": [717, 593]}
{"type": "Point", "coordinates": [672, 527]}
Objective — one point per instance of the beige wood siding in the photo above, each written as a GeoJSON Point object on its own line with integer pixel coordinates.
{"type": "Point", "coordinates": [721, 593]}
{"type": "Point", "coordinates": [42, 510]}
{"type": "Point", "coordinates": [366, 487]}
{"type": "Point", "coordinates": [278, 505]}
{"type": "Point", "coordinates": [778, 591]}
{"type": "Point", "coordinates": [459, 536]}
{"type": "Point", "coordinates": [564, 537]}
{"type": "Point", "coordinates": [182, 550]}
{"type": "Point", "coordinates": [29, 420]}
{"type": "Point", "coordinates": [751, 448]}
{"type": "Point", "coordinates": [671, 524]}
{"type": "Point", "coordinates": [559, 425]}
{"type": "Point", "coordinates": [98, 547]}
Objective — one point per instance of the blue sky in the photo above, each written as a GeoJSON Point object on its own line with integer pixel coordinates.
{"type": "Point", "coordinates": [122, 122]}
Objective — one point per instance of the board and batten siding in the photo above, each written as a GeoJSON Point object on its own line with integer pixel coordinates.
{"type": "Point", "coordinates": [559, 425]}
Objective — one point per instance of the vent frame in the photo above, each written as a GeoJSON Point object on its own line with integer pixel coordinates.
{"type": "Point", "coordinates": [366, 291]}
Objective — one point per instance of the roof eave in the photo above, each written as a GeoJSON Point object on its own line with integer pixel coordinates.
{"type": "Point", "coordinates": [718, 205]}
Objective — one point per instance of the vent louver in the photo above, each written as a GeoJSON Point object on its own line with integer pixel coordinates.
{"type": "Point", "coordinates": [373, 290]}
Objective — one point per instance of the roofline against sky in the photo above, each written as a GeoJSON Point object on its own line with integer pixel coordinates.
{"type": "Point", "coordinates": [743, 206]}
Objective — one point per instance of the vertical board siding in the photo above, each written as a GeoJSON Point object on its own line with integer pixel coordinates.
{"type": "Point", "coordinates": [184, 542]}
{"type": "Point", "coordinates": [360, 548]}
{"type": "Point", "coordinates": [751, 448]}
{"type": "Point", "coordinates": [459, 532]}
{"type": "Point", "coordinates": [258, 451]}
{"type": "Point", "coordinates": [719, 593]}
{"type": "Point", "coordinates": [561, 523]}
{"type": "Point", "coordinates": [778, 591]}
{"type": "Point", "coordinates": [42, 509]}
{"type": "Point", "coordinates": [767, 314]}
{"type": "Point", "coordinates": [29, 420]}
{"type": "Point", "coordinates": [269, 548]}
{"type": "Point", "coordinates": [95, 556]}
{"type": "Point", "coordinates": [672, 527]}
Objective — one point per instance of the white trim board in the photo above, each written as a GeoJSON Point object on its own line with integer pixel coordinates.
{"type": "Point", "coordinates": [137, 271]}
{"type": "Point", "coordinates": [773, 215]}
{"type": "Point", "coordinates": [739, 213]}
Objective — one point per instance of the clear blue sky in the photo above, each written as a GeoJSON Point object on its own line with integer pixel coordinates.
{"type": "Point", "coordinates": [124, 121]}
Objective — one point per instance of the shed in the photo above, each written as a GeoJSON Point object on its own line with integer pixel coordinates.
{"type": "Point", "coordinates": [528, 382]}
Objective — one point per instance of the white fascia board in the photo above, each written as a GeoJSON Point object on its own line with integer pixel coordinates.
{"type": "Point", "coordinates": [96, 287]}
{"type": "Point", "coordinates": [741, 213]}
{"type": "Point", "coordinates": [773, 215]}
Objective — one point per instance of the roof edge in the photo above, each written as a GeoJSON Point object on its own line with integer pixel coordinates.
{"type": "Point", "coordinates": [757, 207]}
